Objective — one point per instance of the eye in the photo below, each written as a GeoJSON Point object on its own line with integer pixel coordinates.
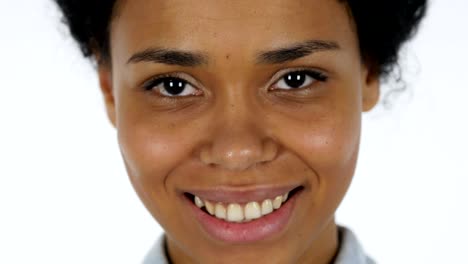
{"type": "Point", "coordinates": [299, 79]}
{"type": "Point", "coordinates": [172, 86]}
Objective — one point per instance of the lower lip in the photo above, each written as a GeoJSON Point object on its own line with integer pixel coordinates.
{"type": "Point", "coordinates": [255, 230]}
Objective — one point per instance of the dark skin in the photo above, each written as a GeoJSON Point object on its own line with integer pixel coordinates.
{"type": "Point", "coordinates": [236, 125]}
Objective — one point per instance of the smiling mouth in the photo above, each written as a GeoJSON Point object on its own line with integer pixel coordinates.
{"type": "Point", "coordinates": [241, 212]}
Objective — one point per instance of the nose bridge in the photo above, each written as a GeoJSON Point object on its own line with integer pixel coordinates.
{"type": "Point", "coordinates": [235, 108]}
{"type": "Point", "coordinates": [239, 140]}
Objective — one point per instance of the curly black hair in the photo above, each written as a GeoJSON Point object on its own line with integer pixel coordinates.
{"type": "Point", "coordinates": [382, 27]}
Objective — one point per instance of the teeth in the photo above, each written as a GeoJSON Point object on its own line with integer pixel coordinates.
{"type": "Point", "coordinates": [235, 212]}
{"type": "Point", "coordinates": [252, 211]}
{"type": "Point", "coordinates": [267, 207]}
{"type": "Point", "coordinates": [277, 202]}
{"type": "Point", "coordinates": [209, 207]}
{"type": "Point", "coordinates": [220, 211]}
{"type": "Point", "coordinates": [199, 202]}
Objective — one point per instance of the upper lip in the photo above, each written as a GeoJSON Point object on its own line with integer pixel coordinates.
{"type": "Point", "coordinates": [229, 194]}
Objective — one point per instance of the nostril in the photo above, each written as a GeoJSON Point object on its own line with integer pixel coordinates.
{"type": "Point", "coordinates": [206, 156]}
{"type": "Point", "coordinates": [270, 150]}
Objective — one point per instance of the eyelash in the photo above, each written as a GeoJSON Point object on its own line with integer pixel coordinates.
{"type": "Point", "coordinates": [314, 74]}
{"type": "Point", "coordinates": [151, 83]}
{"type": "Point", "coordinates": [155, 81]}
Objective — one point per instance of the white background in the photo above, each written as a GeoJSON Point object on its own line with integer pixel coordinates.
{"type": "Point", "coordinates": [65, 197]}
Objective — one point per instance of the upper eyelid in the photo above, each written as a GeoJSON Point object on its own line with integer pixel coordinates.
{"type": "Point", "coordinates": [180, 75]}
{"type": "Point", "coordinates": [281, 73]}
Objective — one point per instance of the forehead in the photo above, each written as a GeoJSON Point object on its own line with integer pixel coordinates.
{"type": "Point", "coordinates": [218, 27]}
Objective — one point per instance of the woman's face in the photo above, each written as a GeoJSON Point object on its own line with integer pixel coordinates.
{"type": "Point", "coordinates": [258, 98]}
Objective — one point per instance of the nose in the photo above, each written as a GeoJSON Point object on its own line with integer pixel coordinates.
{"type": "Point", "coordinates": [239, 141]}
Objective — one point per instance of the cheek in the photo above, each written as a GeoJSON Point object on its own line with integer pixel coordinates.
{"type": "Point", "coordinates": [333, 155]}
{"type": "Point", "coordinates": [145, 152]}
{"type": "Point", "coordinates": [325, 134]}
{"type": "Point", "coordinates": [331, 143]}
{"type": "Point", "coordinates": [150, 145]}
{"type": "Point", "coordinates": [326, 139]}
{"type": "Point", "coordinates": [142, 154]}
{"type": "Point", "coordinates": [151, 149]}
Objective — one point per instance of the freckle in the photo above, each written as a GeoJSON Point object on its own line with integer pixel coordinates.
{"type": "Point", "coordinates": [228, 56]}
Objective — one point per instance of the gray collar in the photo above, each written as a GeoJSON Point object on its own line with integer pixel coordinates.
{"type": "Point", "coordinates": [350, 252]}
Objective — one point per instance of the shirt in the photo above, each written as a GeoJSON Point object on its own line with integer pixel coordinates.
{"type": "Point", "coordinates": [350, 250]}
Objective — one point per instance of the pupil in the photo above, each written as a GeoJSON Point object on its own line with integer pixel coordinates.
{"type": "Point", "coordinates": [295, 79]}
{"type": "Point", "coordinates": [174, 86]}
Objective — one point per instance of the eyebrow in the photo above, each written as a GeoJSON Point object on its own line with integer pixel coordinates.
{"type": "Point", "coordinates": [194, 59]}
{"type": "Point", "coordinates": [169, 56]}
{"type": "Point", "coordinates": [295, 51]}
